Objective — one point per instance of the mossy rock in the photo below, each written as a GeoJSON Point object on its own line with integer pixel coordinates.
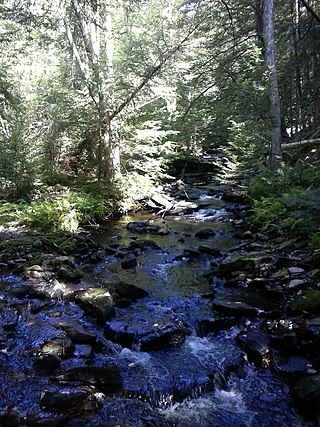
{"type": "Point", "coordinates": [309, 303]}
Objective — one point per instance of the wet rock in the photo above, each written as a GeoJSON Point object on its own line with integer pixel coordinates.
{"type": "Point", "coordinates": [296, 271]}
{"type": "Point", "coordinates": [307, 393]}
{"type": "Point", "coordinates": [238, 262]}
{"type": "Point", "coordinates": [143, 227]}
{"type": "Point", "coordinates": [46, 363]}
{"type": "Point", "coordinates": [248, 235]}
{"type": "Point", "coordinates": [129, 292]}
{"type": "Point", "coordinates": [215, 325]}
{"type": "Point", "coordinates": [47, 421]}
{"type": "Point", "coordinates": [83, 351]}
{"type": "Point", "coordinates": [68, 273]}
{"type": "Point", "coordinates": [105, 379]}
{"type": "Point", "coordinates": [292, 365]}
{"type": "Point", "coordinates": [146, 335]}
{"type": "Point", "coordinates": [97, 302]}
{"type": "Point", "coordinates": [143, 245]}
{"type": "Point", "coordinates": [9, 319]}
{"type": "Point", "coordinates": [254, 342]}
{"type": "Point", "coordinates": [61, 347]}
{"type": "Point", "coordinates": [297, 284]}
{"type": "Point", "coordinates": [162, 337]}
{"type": "Point", "coordinates": [205, 233]}
{"type": "Point", "coordinates": [130, 261]}
{"type": "Point", "coordinates": [209, 251]}
{"type": "Point", "coordinates": [235, 308]}
{"type": "Point", "coordinates": [67, 400]}
{"type": "Point", "coordinates": [235, 196]}
{"type": "Point", "coordinates": [285, 340]}
{"type": "Point", "coordinates": [11, 418]}
{"type": "Point", "coordinates": [76, 332]}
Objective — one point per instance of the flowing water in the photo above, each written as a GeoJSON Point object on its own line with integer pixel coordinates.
{"type": "Point", "coordinates": [204, 380]}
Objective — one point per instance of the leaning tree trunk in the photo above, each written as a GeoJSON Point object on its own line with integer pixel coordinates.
{"type": "Point", "coordinates": [268, 24]}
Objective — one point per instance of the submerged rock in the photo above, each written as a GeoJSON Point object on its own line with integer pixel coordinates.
{"type": "Point", "coordinates": [143, 227]}
{"type": "Point", "coordinates": [97, 302]}
{"type": "Point", "coordinates": [205, 233]}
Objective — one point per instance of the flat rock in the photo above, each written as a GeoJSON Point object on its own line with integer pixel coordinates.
{"type": "Point", "coordinates": [146, 333]}
{"type": "Point", "coordinates": [296, 271]}
{"type": "Point", "coordinates": [47, 421]}
{"type": "Point", "coordinates": [209, 251]}
{"type": "Point", "coordinates": [235, 308]}
{"type": "Point", "coordinates": [97, 302]}
{"type": "Point", "coordinates": [143, 245]}
{"type": "Point", "coordinates": [238, 262]}
{"type": "Point", "coordinates": [293, 365]}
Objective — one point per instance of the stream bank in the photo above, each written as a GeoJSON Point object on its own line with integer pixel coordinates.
{"type": "Point", "coordinates": [178, 319]}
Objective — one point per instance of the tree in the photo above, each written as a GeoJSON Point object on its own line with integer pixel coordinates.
{"type": "Point", "coordinates": [268, 24]}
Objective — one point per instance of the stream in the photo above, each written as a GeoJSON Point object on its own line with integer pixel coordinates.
{"type": "Point", "coordinates": [176, 353]}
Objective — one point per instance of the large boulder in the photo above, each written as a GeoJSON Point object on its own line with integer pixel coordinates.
{"type": "Point", "coordinates": [97, 302]}
{"type": "Point", "coordinates": [306, 392]}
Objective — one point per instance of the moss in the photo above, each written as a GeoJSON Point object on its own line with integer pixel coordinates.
{"type": "Point", "coordinates": [310, 302]}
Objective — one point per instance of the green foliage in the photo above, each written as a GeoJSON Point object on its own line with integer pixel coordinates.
{"type": "Point", "coordinates": [134, 188]}
{"type": "Point", "coordinates": [266, 212]}
{"type": "Point", "coordinates": [310, 302]}
{"type": "Point", "coordinates": [64, 213]}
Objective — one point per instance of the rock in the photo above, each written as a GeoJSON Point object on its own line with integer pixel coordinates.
{"type": "Point", "coordinates": [235, 308]}
{"type": "Point", "coordinates": [130, 261]}
{"type": "Point", "coordinates": [215, 325]}
{"type": "Point", "coordinates": [235, 196]}
{"type": "Point", "coordinates": [143, 245]}
{"type": "Point", "coordinates": [69, 273]}
{"type": "Point", "coordinates": [61, 347]}
{"type": "Point", "coordinates": [285, 340]}
{"type": "Point", "coordinates": [11, 418]}
{"type": "Point", "coordinates": [105, 379]}
{"type": "Point", "coordinates": [143, 227]}
{"type": "Point", "coordinates": [292, 365]}
{"type": "Point", "coordinates": [47, 421]}
{"type": "Point", "coordinates": [254, 342]}
{"type": "Point", "coordinates": [209, 251]}
{"type": "Point", "coordinates": [83, 351]}
{"type": "Point", "coordinates": [66, 400]}
{"type": "Point", "coordinates": [248, 235]}
{"type": "Point", "coordinates": [307, 393]}
{"type": "Point", "coordinates": [76, 332]}
{"type": "Point", "coordinates": [296, 271]}
{"type": "Point", "coordinates": [297, 284]}
{"type": "Point", "coordinates": [238, 262]}
{"type": "Point", "coordinates": [162, 337]}
{"type": "Point", "coordinates": [205, 233]}
{"type": "Point", "coordinates": [46, 363]}
{"type": "Point", "coordinates": [151, 334]}
{"type": "Point", "coordinates": [97, 302]}
{"type": "Point", "coordinates": [131, 292]}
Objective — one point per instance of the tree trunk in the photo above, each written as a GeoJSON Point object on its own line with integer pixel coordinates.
{"type": "Point", "coordinates": [268, 24]}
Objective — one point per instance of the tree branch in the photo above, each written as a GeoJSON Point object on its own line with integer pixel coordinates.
{"type": "Point", "coordinates": [311, 10]}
